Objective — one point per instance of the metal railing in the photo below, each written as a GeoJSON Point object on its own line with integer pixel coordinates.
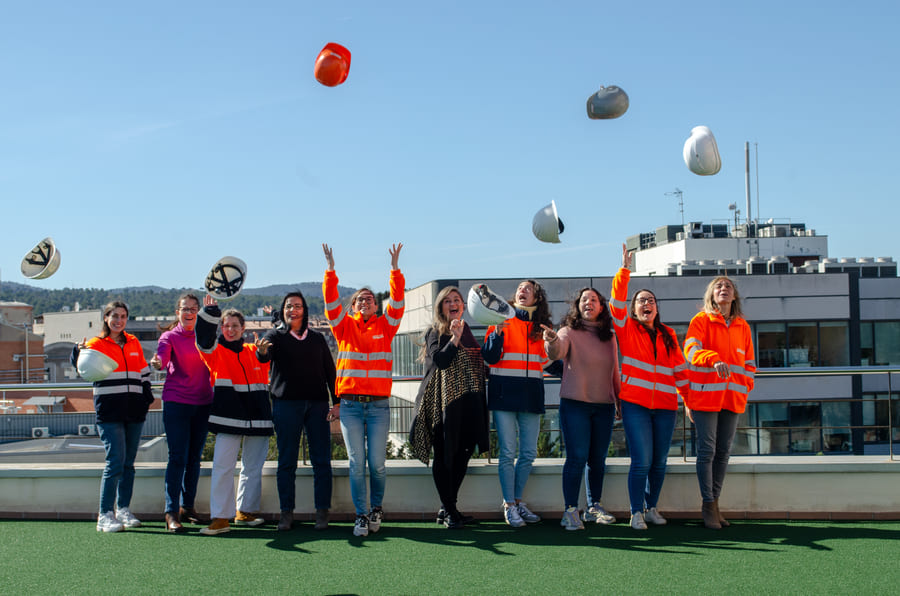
{"type": "Point", "coordinates": [751, 439]}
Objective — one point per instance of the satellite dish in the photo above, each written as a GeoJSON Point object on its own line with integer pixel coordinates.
{"type": "Point", "coordinates": [332, 65]}
{"type": "Point", "coordinates": [42, 261]}
{"type": "Point", "coordinates": [226, 278]}
{"type": "Point", "coordinates": [546, 225]}
{"type": "Point", "coordinates": [607, 103]}
{"type": "Point", "coordinates": [701, 154]}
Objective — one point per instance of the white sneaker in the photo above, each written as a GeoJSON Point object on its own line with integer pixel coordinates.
{"type": "Point", "coordinates": [375, 518]}
{"type": "Point", "coordinates": [637, 521]}
{"type": "Point", "coordinates": [527, 514]}
{"type": "Point", "coordinates": [107, 522]}
{"type": "Point", "coordinates": [361, 527]}
{"type": "Point", "coordinates": [511, 516]}
{"type": "Point", "coordinates": [598, 515]}
{"type": "Point", "coordinates": [654, 517]}
{"type": "Point", "coordinates": [127, 518]}
{"type": "Point", "coordinates": [570, 519]}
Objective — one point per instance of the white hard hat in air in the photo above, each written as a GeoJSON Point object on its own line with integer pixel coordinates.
{"type": "Point", "coordinates": [487, 307]}
{"type": "Point", "coordinates": [94, 365]}
{"type": "Point", "coordinates": [546, 225]}
{"type": "Point", "coordinates": [42, 261]}
{"type": "Point", "coordinates": [701, 154]}
{"type": "Point", "coordinates": [226, 278]}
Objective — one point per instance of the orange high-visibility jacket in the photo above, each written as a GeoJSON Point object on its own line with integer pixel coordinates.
{"type": "Point", "coordinates": [652, 376]}
{"type": "Point", "coordinates": [364, 358]}
{"type": "Point", "coordinates": [517, 377]}
{"type": "Point", "coordinates": [125, 395]}
{"type": "Point", "coordinates": [241, 404]}
{"type": "Point", "coordinates": [710, 340]}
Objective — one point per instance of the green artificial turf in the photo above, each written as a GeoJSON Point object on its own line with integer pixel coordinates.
{"type": "Point", "coordinates": [70, 557]}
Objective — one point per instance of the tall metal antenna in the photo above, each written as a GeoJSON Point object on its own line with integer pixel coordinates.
{"type": "Point", "coordinates": [677, 193]}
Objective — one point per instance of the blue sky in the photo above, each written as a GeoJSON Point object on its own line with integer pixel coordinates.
{"type": "Point", "coordinates": [151, 140]}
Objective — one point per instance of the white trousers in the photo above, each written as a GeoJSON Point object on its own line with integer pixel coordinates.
{"type": "Point", "coordinates": [221, 490]}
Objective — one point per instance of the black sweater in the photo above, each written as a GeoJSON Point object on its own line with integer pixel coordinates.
{"type": "Point", "coordinates": [299, 369]}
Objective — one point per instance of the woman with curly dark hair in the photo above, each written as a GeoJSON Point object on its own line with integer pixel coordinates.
{"type": "Point", "coordinates": [588, 396]}
{"type": "Point", "coordinates": [516, 394]}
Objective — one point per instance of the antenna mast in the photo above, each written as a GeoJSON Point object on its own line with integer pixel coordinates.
{"type": "Point", "coordinates": [677, 193]}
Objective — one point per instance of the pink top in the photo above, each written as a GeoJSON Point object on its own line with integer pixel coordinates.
{"type": "Point", "coordinates": [187, 377]}
{"type": "Point", "coordinates": [591, 372]}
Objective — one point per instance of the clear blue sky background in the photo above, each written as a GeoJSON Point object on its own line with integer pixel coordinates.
{"type": "Point", "coordinates": [150, 139]}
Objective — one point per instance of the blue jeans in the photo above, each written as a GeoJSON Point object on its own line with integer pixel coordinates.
{"type": "Point", "coordinates": [516, 431]}
{"type": "Point", "coordinates": [587, 432]}
{"type": "Point", "coordinates": [186, 430]}
{"type": "Point", "coordinates": [121, 441]}
{"type": "Point", "coordinates": [365, 429]}
{"type": "Point", "coordinates": [715, 434]}
{"type": "Point", "coordinates": [291, 418]}
{"type": "Point", "coordinates": [649, 435]}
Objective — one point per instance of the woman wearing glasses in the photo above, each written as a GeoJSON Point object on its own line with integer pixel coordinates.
{"type": "Point", "coordinates": [187, 399]}
{"type": "Point", "coordinates": [364, 383]}
{"type": "Point", "coordinates": [653, 374]}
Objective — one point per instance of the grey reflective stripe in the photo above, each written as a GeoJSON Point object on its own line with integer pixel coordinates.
{"type": "Point", "coordinates": [351, 372]}
{"type": "Point", "coordinates": [708, 387]}
{"type": "Point", "coordinates": [380, 374]}
{"type": "Point", "coordinates": [353, 356]}
{"type": "Point", "coordinates": [337, 320]}
{"type": "Point", "coordinates": [661, 387]}
{"type": "Point", "coordinates": [209, 350]}
{"type": "Point", "coordinates": [223, 383]}
{"type": "Point", "coordinates": [702, 369]}
{"type": "Point", "coordinates": [391, 321]}
{"type": "Point", "coordinates": [692, 344]}
{"type": "Point", "coordinates": [208, 317]}
{"type": "Point", "coordinates": [385, 356]}
{"type": "Point", "coordinates": [680, 368]}
{"type": "Point", "coordinates": [619, 321]}
{"type": "Point", "coordinates": [332, 305]}
{"type": "Point", "coordinates": [646, 366]}
{"type": "Point", "coordinates": [362, 357]}
{"type": "Point", "coordinates": [238, 423]}
{"type": "Point", "coordinates": [242, 387]}
{"type": "Point", "coordinates": [113, 389]}
{"type": "Point", "coordinates": [398, 304]}
{"type": "Point", "coordinates": [116, 376]}
{"type": "Point", "coordinates": [618, 304]}
{"type": "Point", "coordinates": [681, 383]}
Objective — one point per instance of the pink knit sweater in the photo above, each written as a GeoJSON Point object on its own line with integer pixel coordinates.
{"type": "Point", "coordinates": [591, 372]}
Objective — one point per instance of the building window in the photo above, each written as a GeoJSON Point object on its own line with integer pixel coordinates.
{"type": "Point", "coordinates": [887, 342]}
{"type": "Point", "coordinates": [835, 343]}
{"type": "Point", "coordinates": [770, 345]}
{"type": "Point", "coordinates": [803, 345]}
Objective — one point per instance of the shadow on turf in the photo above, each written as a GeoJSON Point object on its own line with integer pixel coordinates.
{"type": "Point", "coordinates": [685, 537]}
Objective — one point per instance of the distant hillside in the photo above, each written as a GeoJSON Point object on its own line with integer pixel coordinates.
{"type": "Point", "coordinates": [154, 300]}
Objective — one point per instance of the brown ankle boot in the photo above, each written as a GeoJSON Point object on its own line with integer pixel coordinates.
{"type": "Point", "coordinates": [710, 519]}
{"type": "Point", "coordinates": [722, 521]}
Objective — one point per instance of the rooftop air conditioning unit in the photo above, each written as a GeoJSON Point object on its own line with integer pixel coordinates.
{"type": "Point", "coordinates": [87, 430]}
{"type": "Point", "coordinates": [40, 432]}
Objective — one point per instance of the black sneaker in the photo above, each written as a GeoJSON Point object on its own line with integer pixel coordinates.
{"type": "Point", "coordinates": [441, 516]}
{"type": "Point", "coordinates": [375, 517]}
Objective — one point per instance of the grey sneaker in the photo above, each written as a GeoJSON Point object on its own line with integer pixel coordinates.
{"type": "Point", "coordinates": [529, 516]}
{"type": "Point", "coordinates": [637, 521]}
{"type": "Point", "coordinates": [361, 527]}
{"type": "Point", "coordinates": [321, 519]}
{"type": "Point", "coordinates": [570, 519]}
{"type": "Point", "coordinates": [127, 518]}
{"type": "Point", "coordinates": [598, 515]}
{"type": "Point", "coordinates": [107, 522]}
{"type": "Point", "coordinates": [511, 516]}
{"type": "Point", "coordinates": [654, 517]}
{"type": "Point", "coordinates": [375, 518]}
{"type": "Point", "coordinates": [285, 521]}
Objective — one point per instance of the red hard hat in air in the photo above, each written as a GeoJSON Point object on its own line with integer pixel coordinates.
{"type": "Point", "coordinates": [332, 65]}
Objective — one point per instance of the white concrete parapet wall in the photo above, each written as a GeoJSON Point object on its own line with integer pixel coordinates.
{"type": "Point", "coordinates": [809, 487]}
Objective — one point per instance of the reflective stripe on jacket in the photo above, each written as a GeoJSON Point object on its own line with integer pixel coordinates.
{"type": "Point", "coordinates": [649, 379]}
{"type": "Point", "coordinates": [125, 395]}
{"type": "Point", "coordinates": [364, 360]}
{"type": "Point", "coordinates": [516, 381]}
{"type": "Point", "coordinates": [240, 382]}
{"type": "Point", "coordinates": [710, 340]}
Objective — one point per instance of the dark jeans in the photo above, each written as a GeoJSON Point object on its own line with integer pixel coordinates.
{"type": "Point", "coordinates": [587, 432]}
{"type": "Point", "coordinates": [649, 435]}
{"type": "Point", "coordinates": [121, 441]}
{"type": "Point", "coordinates": [448, 470]}
{"type": "Point", "coordinates": [291, 418]}
{"type": "Point", "coordinates": [715, 434]}
{"type": "Point", "coordinates": [186, 429]}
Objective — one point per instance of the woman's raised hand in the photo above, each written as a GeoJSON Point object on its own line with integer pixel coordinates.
{"type": "Point", "coordinates": [549, 334]}
{"type": "Point", "coordinates": [456, 330]}
{"type": "Point", "coordinates": [395, 255]}
{"type": "Point", "coordinates": [627, 256]}
{"type": "Point", "coordinates": [262, 344]}
{"type": "Point", "coordinates": [209, 301]}
{"type": "Point", "coordinates": [329, 257]}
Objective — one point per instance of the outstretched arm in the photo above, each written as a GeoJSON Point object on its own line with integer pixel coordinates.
{"type": "Point", "coordinates": [329, 257]}
{"type": "Point", "coordinates": [395, 255]}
